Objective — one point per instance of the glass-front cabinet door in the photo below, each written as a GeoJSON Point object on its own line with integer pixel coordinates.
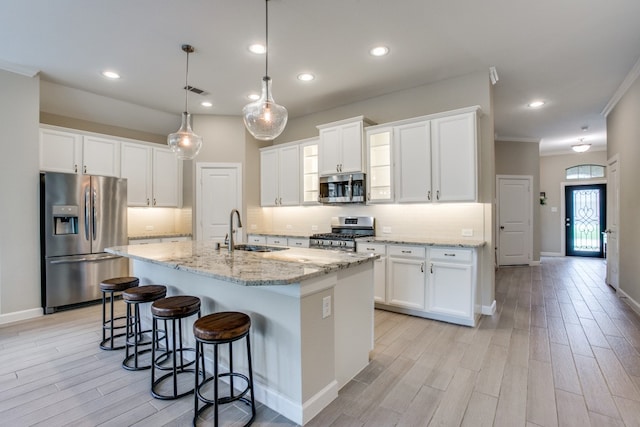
{"type": "Point", "coordinates": [379, 176]}
{"type": "Point", "coordinates": [309, 151]}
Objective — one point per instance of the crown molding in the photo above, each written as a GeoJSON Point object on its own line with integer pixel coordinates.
{"type": "Point", "coordinates": [622, 89]}
{"type": "Point", "coordinates": [18, 69]}
{"type": "Point", "coordinates": [515, 139]}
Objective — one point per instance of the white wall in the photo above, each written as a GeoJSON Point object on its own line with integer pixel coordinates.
{"type": "Point", "coordinates": [19, 200]}
{"type": "Point", "coordinates": [623, 139]}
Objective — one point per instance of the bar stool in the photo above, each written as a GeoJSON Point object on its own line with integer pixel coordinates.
{"type": "Point", "coordinates": [135, 335]}
{"type": "Point", "coordinates": [222, 328]}
{"type": "Point", "coordinates": [174, 309]}
{"type": "Point", "coordinates": [111, 286]}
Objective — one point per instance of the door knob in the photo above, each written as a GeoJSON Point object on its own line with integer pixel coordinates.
{"type": "Point", "coordinates": [502, 227]}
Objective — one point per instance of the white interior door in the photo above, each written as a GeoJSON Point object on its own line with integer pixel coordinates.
{"type": "Point", "coordinates": [219, 190]}
{"type": "Point", "coordinates": [613, 219]}
{"type": "Point", "coordinates": [514, 220]}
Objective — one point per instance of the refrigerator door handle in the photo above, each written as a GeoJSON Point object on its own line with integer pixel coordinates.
{"type": "Point", "coordinates": [76, 260]}
{"type": "Point", "coordinates": [86, 214]}
{"type": "Point", "coordinates": [93, 214]}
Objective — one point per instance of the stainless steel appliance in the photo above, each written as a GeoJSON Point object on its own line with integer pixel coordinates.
{"type": "Point", "coordinates": [345, 232]}
{"type": "Point", "coordinates": [345, 188]}
{"type": "Point", "coordinates": [80, 215]}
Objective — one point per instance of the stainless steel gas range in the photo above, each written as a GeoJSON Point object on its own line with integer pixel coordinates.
{"type": "Point", "coordinates": [345, 231]}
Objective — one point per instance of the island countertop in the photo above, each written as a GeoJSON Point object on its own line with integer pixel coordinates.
{"type": "Point", "coordinates": [281, 267]}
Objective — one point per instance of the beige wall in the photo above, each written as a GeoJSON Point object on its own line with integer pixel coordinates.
{"type": "Point", "coordinates": [523, 158]}
{"type": "Point", "coordinates": [19, 201]}
{"type": "Point", "coordinates": [623, 139]}
{"type": "Point", "coordinates": [552, 175]}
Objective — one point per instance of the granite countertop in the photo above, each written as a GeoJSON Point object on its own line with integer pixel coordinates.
{"type": "Point", "coordinates": [428, 241]}
{"type": "Point", "coordinates": [282, 267]}
{"type": "Point", "coordinates": [294, 234]}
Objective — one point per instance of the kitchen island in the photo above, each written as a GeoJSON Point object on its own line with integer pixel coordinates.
{"type": "Point", "coordinates": [311, 312]}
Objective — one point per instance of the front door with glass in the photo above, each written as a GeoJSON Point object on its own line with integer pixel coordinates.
{"type": "Point", "coordinates": [585, 219]}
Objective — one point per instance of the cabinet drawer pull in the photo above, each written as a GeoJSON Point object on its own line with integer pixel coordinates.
{"type": "Point", "coordinates": [449, 254]}
{"type": "Point", "coordinates": [371, 249]}
{"type": "Point", "coordinates": [298, 243]}
{"type": "Point", "coordinates": [407, 252]}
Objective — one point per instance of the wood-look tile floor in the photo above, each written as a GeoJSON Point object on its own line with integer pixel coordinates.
{"type": "Point", "coordinates": [561, 350]}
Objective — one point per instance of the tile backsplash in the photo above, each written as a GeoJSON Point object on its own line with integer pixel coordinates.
{"type": "Point", "coordinates": [150, 221]}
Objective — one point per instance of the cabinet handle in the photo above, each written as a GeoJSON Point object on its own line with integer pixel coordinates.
{"type": "Point", "coordinates": [431, 268]}
{"type": "Point", "coordinates": [422, 267]}
{"type": "Point", "coordinates": [275, 201]}
{"type": "Point", "coordinates": [84, 169]}
{"type": "Point", "coordinates": [407, 252]}
{"type": "Point", "coordinates": [371, 249]}
{"type": "Point", "coordinates": [438, 195]}
{"type": "Point", "coordinates": [154, 201]}
{"type": "Point", "coordinates": [280, 201]}
{"type": "Point", "coordinates": [75, 168]}
{"type": "Point", "coordinates": [429, 195]}
{"type": "Point", "coordinates": [449, 254]}
{"type": "Point", "coordinates": [147, 201]}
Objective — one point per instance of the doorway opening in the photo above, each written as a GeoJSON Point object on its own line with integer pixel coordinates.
{"type": "Point", "coordinates": [585, 220]}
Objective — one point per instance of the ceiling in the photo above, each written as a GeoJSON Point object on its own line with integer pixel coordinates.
{"type": "Point", "coordinates": [573, 55]}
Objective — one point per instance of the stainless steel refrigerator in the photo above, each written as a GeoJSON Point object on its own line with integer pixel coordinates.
{"type": "Point", "coordinates": [80, 215]}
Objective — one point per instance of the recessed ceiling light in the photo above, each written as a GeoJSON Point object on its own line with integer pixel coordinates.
{"type": "Point", "coordinates": [253, 96]}
{"type": "Point", "coordinates": [379, 51]}
{"type": "Point", "coordinates": [206, 104]}
{"type": "Point", "coordinates": [306, 77]}
{"type": "Point", "coordinates": [535, 104]}
{"type": "Point", "coordinates": [111, 74]}
{"type": "Point", "coordinates": [257, 49]}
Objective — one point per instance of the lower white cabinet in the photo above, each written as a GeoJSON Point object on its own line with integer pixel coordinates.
{"type": "Point", "coordinates": [435, 282]}
{"type": "Point", "coordinates": [379, 269]}
{"type": "Point", "coordinates": [405, 277]}
{"type": "Point", "coordinates": [277, 241]}
{"type": "Point", "coordinates": [256, 240]}
{"type": "Point", "coordinates": [451, 284]}
{"type": "Point", "coordinates": [296, 242]}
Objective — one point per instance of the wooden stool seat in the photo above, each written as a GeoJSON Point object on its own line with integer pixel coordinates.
{"type": "Point", "coordinates": [119, 284]}
{"type": "Point", "coordinates": [223, 326]}
{"type": "Point", "coordinates": [220, 329]}
{"type": "Point", "coordinates": [145, 293]}
{"type": "Point", "coordinates": [176, 307]}
{"type": "Point", "coordinates": [110, 287]}
{"type": "Point", "coordinates": [138, 340]}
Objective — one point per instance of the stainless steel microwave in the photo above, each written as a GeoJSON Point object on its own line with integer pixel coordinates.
{"type": "Point", "coordinates": [344, 188]}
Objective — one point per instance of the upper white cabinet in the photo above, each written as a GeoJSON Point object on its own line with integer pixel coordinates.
{"type": "Point", "coordinates": [154, 175]}
{"type": "Point", "coordinates": [70, 152]}
{"type": "Point", "coordinates": [309, 165]}
{"type": "Point", "coordinates": [454, 166]}
{"type": "Point", "coordinates": [413, 162]}
{"type": "Point", "coordinates": [379, 161]}
{"type": "Point", "coordinates": [340, 149]}
{"type": "Point", "coordinates": [280, 176]}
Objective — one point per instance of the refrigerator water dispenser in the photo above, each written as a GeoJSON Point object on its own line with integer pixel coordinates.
{"type": "Point", "coordinates": [65, 220]}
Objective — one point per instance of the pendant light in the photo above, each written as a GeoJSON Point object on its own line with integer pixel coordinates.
{"type": "Point", "coordinates": [185, 143]}
{"type": "Point", "coordinates": [265, 119]}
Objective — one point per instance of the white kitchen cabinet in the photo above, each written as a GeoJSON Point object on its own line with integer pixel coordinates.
{"type": "Point", "coordinates": [175, 239]}
{"type": "Point", "coordinates": [145, 241]}
{"type": "Point", "coordinates": [154, 175]}
{"type": "Point", "coordinates": [413, 162]}
{"type": "Point", "coordinates": [340, 149]}
{"type": "Point", "coordinates": [298, 242]}
{"type": "Point", "coordinates": [379, 269]}
{"type": "Point", "coordinates": [406, 278]}
{"type": "Point", "coordinates": [280, 176]}
{"type": "Point", "coordinates": [452, 284]}
{"type": "Point", "coordinates": [277, 241]}
{"type": "Point", "coordinates": [256, 240]}
{"type": "Point", "coordinates": [379, 165]}
{"type": "Point", "coordinates": [309, 168]}
{"type": "Point", "coordinates": [454, 166]}
{"type": "Point", "coordinates": [70, 152]}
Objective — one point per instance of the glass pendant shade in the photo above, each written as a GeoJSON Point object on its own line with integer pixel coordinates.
{"type": "Point", "coordinates": [265, 119]}
{"type": "Point", "coordinates": [185, 143]}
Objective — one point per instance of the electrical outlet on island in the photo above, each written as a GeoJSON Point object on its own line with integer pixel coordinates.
{"type": "Point", "coordinates": [253, 226]}
{"type": "Point", "coordinates": [314, 228]}
{"type": "Point", "coordinates": [386, 230]}
{"type": "Point", "coordinates": [149, 227]}
{"type": "Point", "coordinates": [467, 232]}
{"type": "Point", "coordinates": [289, 227]}
{"type": "Point", "coordinates": [326, 306]}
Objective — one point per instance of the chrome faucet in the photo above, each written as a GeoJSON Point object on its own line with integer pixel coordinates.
{"type": "Point", "coordinates": [231, 230]}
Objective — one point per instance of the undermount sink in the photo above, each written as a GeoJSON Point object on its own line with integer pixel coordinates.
{"type": "Point", "coordinates": [256, 248]}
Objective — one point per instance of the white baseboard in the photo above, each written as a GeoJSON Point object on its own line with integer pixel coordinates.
{"type": "Point", "coordinates": [16, 316]}
{"type": "Point", "coordinates": [551, 254]}
{"type": "Point", "coordinates": [632, 303]}
{"type": "Point", "coordinates": [489, 310]}
{"type": "Point", "coordinates": [534, 263]}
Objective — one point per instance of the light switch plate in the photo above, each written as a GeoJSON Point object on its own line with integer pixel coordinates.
{"type": "Point", "coordinates": [554, 209]}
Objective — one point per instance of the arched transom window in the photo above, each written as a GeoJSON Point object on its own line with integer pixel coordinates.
{"type": "Point", "coordinates": [585, 172]}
